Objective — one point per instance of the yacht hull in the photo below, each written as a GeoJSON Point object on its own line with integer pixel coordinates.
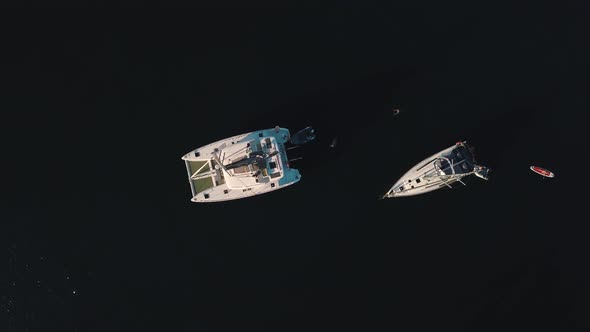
{"type": "Point", "coordinates": [440, 170]}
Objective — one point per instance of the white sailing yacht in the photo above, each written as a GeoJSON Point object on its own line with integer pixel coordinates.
{"type": "Point", "coordinates": [440, 170]}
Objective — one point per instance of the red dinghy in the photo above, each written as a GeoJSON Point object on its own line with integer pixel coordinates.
{"type": "Point", "coordinates": [542, 171]}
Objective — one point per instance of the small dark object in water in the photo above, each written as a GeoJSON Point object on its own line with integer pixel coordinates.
{"type": "Point", "coordinates": [334, 141]}
{"type": "Point", "coordinates": [303, 136]}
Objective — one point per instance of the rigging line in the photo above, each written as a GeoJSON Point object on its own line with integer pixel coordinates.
{"type": "Point", "coordinates": [237, 151]}
{"type": "Point", "coordinates": [252, 192]}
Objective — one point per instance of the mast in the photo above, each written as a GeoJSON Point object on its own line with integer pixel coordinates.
{"type": "Point", "coordinates": [218, 162]}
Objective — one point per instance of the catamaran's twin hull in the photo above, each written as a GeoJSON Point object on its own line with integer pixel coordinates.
{"type": "Point", "coordinates": [211, 181]}
{"type": "Point", "coordinates": [438, 171]}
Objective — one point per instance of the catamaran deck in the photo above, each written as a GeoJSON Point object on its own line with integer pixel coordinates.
{"type": "Point", "coordinates": [199, 167]}
{"type": "Point", "coordinates": [211, 181]}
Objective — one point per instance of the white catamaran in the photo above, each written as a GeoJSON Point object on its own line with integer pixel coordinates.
{"type": "Point", "coordinates": [241, 166]}
{"type": "Point", "coordinates": [439, 171]}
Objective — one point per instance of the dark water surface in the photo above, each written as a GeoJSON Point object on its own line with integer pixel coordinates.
{"type": "Point", "coordinates": [106, 239]}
